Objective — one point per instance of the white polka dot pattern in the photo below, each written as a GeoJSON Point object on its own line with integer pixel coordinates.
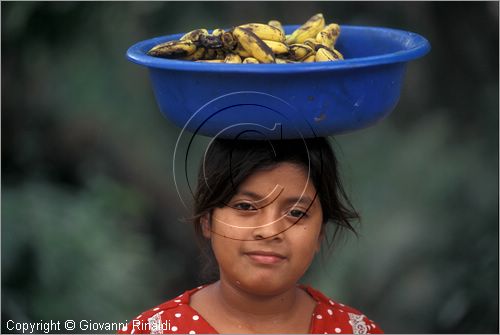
{"type": "Point", "coordinates": [176, 316]}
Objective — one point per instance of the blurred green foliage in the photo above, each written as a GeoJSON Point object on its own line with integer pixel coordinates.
{"type": "Point", "coordinates": [92, 227]}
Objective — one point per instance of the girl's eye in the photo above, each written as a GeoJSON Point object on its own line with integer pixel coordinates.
{"type": "Point", "coordinates": [296, 213]}
{"type": "Point", "coordinates": [244, 206]}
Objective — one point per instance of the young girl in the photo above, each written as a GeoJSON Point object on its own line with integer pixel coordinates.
{"type": "Point", "coordinates": [262, 209]}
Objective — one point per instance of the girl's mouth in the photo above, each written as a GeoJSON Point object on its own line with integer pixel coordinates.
{"type": "Point", "coordinates": [265, 257]}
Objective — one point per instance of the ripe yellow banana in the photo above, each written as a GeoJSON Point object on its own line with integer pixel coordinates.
{"type": "Point", "coordinates": [308, 30]}
{"type": "Point", "coordinates": [310, 59]}
{"type": "Point", "coordinates": [194, 35]}
{"type": "Point", "coordinates": [242, 52]}
{"type": "Point", "coordinates": [277, 47]}
{"type": "Point", "coordinates": [324, 54]}
{"type": "Point", "coordinates": [276, 24]}
{"type": "Point", "coordinates": [173, 49]}
{"type": "Point", "coordinates": [211, 61]}
{"type": "Point", "coordinates": [339, 55]}
{"type": "Point", "coordinates": [265, 31]}
{"type": "Point", "coordinates": [328, 36]}
{"type": "Point", "coordinates": [316, 46]}
{"type": "Point", "coordinates": [254, 45]}
{"type": "Point", "coordinates": [218, 32]}
{"type": "Point", "coordinates": [300, 51]}
{"type": "Point", "coordinates": [197, 55]}
{"type": "Point", "coordinates": [232, 58]}
{"type": "Point", "coordinates": [250, 60]}
{"type": "Point", "coordinates": [284, 61]}
{"type": "Point", "coordinates": [311, 42]}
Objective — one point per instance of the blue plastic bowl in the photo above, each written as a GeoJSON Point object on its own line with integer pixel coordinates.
{"type": "Point", "coordinates": [269, 101]}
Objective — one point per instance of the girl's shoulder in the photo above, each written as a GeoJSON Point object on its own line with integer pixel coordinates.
{"type": "Point", "coordinates": [170, 317]}
{"type": "Point", "coordinates": [332, 317]}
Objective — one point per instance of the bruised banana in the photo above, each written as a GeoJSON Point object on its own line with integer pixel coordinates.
{"type": "Point", "coordinates": [265, 31]}
{"type": "Point", "coordinates": [310, 59]}
{"type": "Point", "coordinates": [220, 54]}
{"type": "Point", "coordinates": [173, 49]}
{"type": "Point", "coordinates": [323, 55]}
{"type": "Point", "coordinates": [242, 52]}
{"type": "Point", "coordinates": [250, 60]}
{"type": "Point", "coordinates": [228, 41]}
{"type": "Point", "coordinates": [210, 54]}
{"type": "Point", "coordinates": [197, 55]}
{"type": "Point", "coordinates": [194, 35]}
{"type": "Point", "coordinates": [277, 47]}
{"type": "Point", "coordinates": [311, 42]}
{"type": "Point", "coordinates": [316, 46]}
{"type": "Point", "coordinates": [284, 61]}
{"type": "Point", "coordinates": [211, 60]}
{"type": "Point", "coordinates": [328, 36]}
{"type": "Point", "coordinates": [300, 51]}
{"type": "Point", "coordinates": [218, 32]}
{"type": "Point", "coordinates": [277, 24]}
{"type": "Point", "coordinates": [210, 41]}
{"type": "Point", "coordinates": [232, 58]}
{"type": "Point", "coordinates": [254, 45]}
{"type": "Point", "coordinates": [309, 29]}
{"type": "Point", "coordinates": [339, 55]}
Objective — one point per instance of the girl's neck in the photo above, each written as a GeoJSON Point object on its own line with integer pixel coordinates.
{"type": "Point", "coordinates": [229, 309]}
{"type": "Point", "coordinates": [246, 306]}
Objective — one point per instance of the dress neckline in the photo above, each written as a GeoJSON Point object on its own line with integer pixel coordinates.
{"type": "Point", "coordinates": [185, 299]}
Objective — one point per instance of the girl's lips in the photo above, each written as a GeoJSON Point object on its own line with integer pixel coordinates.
{"type": "Point", "coordinates": [266, 258]}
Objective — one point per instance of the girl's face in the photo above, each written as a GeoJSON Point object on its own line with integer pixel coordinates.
{"type": "Point", "coordinates": [266, 237]}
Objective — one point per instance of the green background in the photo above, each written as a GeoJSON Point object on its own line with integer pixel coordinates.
{"type": "Point", "coordinates": [93, 229]}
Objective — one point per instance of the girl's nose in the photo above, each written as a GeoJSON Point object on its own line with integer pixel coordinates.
{"type": "Point", "coordinates": [270, 223]}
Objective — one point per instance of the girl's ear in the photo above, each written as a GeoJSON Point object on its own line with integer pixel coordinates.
{"type": "Point", "coordinates": [205, 225]}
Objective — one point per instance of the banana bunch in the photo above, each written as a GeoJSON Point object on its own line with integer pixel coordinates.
{"type": "Point", "coordinates": [256, 43]}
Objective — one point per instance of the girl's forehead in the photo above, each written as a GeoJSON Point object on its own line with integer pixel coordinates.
{"type": "Point", "coordinates": [283, 169]}
{"type": "Point", "coordinates": [283, 177]}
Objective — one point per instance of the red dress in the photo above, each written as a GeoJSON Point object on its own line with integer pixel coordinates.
{"type": "Point", "coordinates": [177, 317]}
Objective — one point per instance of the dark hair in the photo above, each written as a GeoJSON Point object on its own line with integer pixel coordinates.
{"type": "Point", "coordinates": [228, 163]}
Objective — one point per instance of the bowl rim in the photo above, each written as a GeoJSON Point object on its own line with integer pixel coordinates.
{"type": "Point", "coordinates": [136, 54]}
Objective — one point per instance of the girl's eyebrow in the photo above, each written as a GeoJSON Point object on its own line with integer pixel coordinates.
{"type": "Point", "coordinates": [257, 198]}
{"type": "Point", "coordinates": [250, 194]}
{"type": "Point", "coordinates": [304, 199]}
